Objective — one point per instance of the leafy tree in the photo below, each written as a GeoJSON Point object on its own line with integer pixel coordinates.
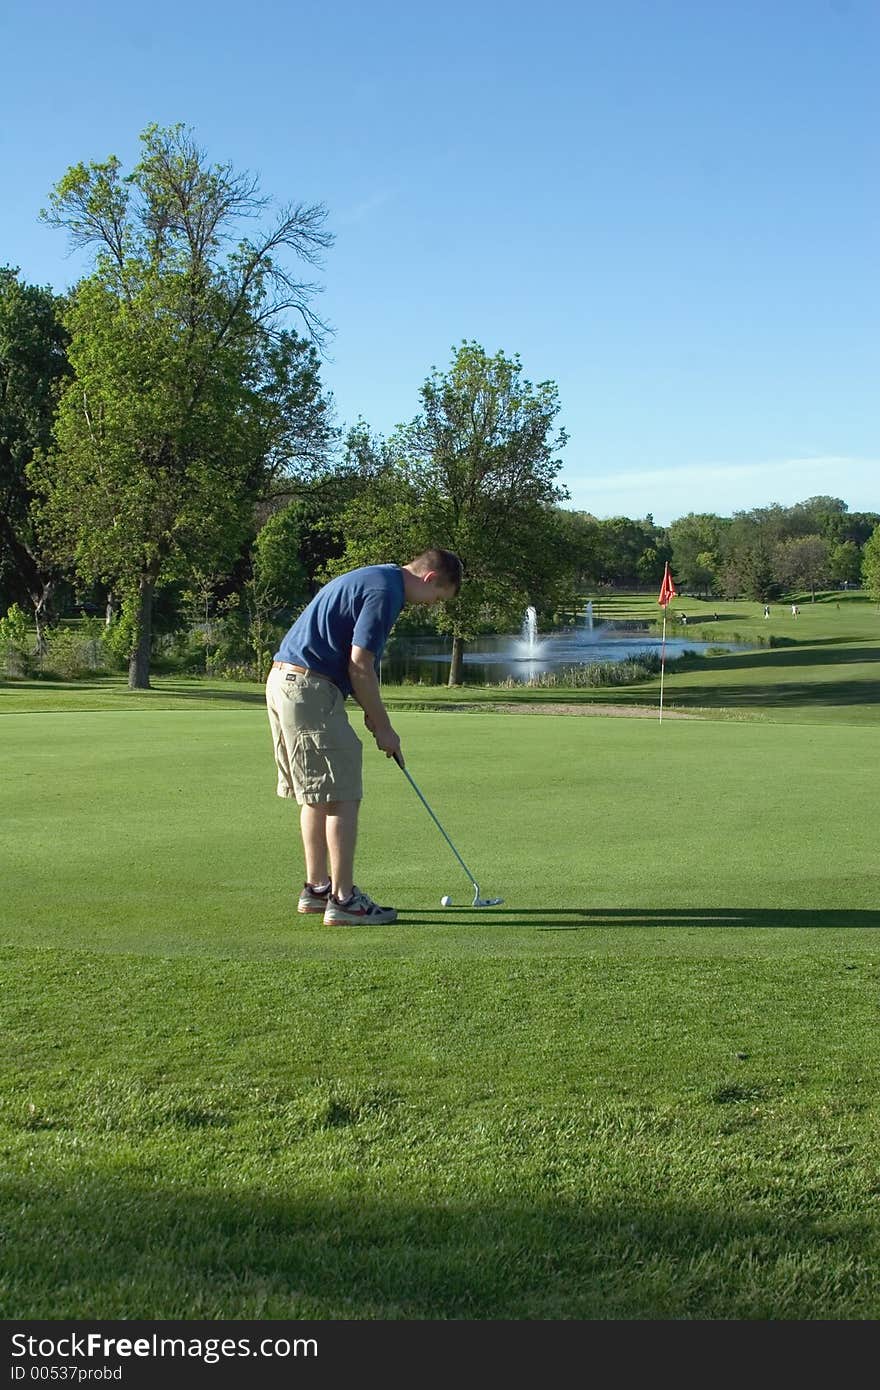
{"type": "Point", "coordinates": [730, 577]}
{"type": "Point", "coordinates": [871, 564]}
{"type": "Point", "coordinates": [749, 545]}
{"type": "Point", "coordinates": [318, 503]}
{"type": "Point", "coordinates": [698, 543]}
{"type": "Point", "coordinates": [582, 538]}
{"type": "Point", "coordinates": [845, 562]}
{"type": "Point", "coordinates": [858, 526]}
{"type": "Point", "coordinates": [188, 396]}
{"type": "Point", "coordinates": [322, 501]}
{"type": "Point", "coordinates": [704, 572]}
{"type": "Point", "coordinates": [759, 579]}
{"type": "Point", "coordinates": [33, 364]}
{"type": "Point", "coordinates": [816, 516]}
{"type": "Point", "coordinates": [802, 562]}
{"type": "Point", "coordinates": [278, 571]}
{"type": "Point", "coordinates": [624, 542]}
{"type": "Point", "coordinates": [651, 564]}
{"type": "Point", "coordinates": [761, 528]}
{"type": "Point", "coordinates": [474, 473]}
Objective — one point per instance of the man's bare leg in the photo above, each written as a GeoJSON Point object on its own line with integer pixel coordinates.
{"type": "Point", "coordinates": [341, 833]}
{"type": "Point", "coordinates": [313, 828]}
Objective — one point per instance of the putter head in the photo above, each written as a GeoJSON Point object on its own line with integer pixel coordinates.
{"type": "Point", "coordinates": [484, 902]}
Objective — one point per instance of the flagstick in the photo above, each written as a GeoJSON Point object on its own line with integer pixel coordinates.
{"type": "Point", "coordinates": [662, 662]}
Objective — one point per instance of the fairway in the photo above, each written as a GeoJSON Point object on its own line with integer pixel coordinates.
{"type": "Point", "coordinates": [643, 1087]}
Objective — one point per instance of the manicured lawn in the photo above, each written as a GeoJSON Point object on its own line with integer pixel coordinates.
{"type": "Point", "coordinates": [644, 1087]}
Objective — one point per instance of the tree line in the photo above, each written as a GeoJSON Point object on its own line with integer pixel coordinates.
{"type": "Point", "coordinates": [169, 453]}
{"type": "Point", "coordinates": [756, 554]}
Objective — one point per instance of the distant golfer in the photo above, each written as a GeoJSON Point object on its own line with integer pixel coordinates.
{"type": "Point", "coordinates": [330, 652]}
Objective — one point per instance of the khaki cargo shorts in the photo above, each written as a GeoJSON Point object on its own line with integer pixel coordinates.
{"type": "Point", "coordinates": [317, 753]}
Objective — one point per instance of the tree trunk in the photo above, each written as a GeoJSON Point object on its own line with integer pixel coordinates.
{"type": "Point", "coordinates": [42, 613]}
{"type": "Point", "coordinates": [456, 662]}
{"type": "Point", "coordinates": [109, 609]}
{"type": "Point", "coordinates": [139, 660]}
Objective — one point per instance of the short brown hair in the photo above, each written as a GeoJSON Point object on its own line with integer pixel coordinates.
{"type": "Point", "coordinates": [444, 562]}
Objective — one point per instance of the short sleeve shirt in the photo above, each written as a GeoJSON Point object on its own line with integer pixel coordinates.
{"type": "Point", "coordinates": [357, 609]}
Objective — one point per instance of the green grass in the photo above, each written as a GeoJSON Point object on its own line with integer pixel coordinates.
{"type": "Point", "coordinates": [644, 1087]}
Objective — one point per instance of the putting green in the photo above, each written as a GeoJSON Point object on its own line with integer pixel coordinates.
{"type": "Point", "coordinates": [158, 832]}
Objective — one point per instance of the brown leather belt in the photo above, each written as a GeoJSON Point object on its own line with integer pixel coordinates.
{"type": "Point", "coordinates": [300, 670]}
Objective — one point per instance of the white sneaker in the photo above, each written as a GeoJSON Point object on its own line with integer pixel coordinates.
{"type": "Point", "coordinates": [357, 911]}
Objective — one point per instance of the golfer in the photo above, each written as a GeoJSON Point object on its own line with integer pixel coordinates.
{"type": "Point", "coordinates": [332, 651]}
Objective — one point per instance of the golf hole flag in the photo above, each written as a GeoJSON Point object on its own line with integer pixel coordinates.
{"type": "Point", "coordinates": [667, 588]}
{"type": "Point", "coordinates": [667, 592]}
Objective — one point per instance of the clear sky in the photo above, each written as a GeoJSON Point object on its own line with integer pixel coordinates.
{"type": "Point", "coordinates": [668, 207]}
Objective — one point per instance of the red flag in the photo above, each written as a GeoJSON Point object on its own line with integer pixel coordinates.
{"type": "Point", "coordinates": [667, 588]}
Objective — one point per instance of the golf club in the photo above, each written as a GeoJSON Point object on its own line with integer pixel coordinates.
{"type": "Point", "coordinates": [478, 901]}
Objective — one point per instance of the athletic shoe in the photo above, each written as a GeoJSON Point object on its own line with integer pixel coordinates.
{"type": "Point", "coordinates": [313, 899]}
{"type": "Point", "coordinates": [357, 911]}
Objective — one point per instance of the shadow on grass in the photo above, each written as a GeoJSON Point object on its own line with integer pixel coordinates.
{"type": "Point", "coordinates": [834, 652]}
{"type": "Point", "coordinates": [580, 918]}
{"type": "Point", "coordinates": [116, 690]}
{"type": "Point", "coordinates": [778, 695]}
{"type": "Point", "coordinates": [698, 617]}
{"type": "Point", "coordinates": [106, 1246]}
{"type": "Point", "coordinates": [245, 696]}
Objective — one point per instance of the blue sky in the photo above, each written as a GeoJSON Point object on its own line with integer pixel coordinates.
{"type": "Point", "coordinates": [669, 208]}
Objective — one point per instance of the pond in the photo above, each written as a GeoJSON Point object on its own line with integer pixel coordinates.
{"type": "Point", "coordinates": [491, 660]}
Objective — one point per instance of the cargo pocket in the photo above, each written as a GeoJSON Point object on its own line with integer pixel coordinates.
{"type": "Point", "coordinates": [327, 764]}
{"type": "Point", "coordinates": [313, 762]}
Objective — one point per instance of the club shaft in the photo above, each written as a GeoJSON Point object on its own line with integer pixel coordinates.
{"type": "Point", "coordinates": [408, 777]}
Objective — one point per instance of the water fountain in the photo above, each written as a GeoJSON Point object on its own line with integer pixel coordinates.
{"type": "Point", "coordinates": [529, 632]}
{"type": "Point", "coordinates": [520, 656]}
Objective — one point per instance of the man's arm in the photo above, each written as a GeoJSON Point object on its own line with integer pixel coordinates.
{"type": "Point", "coordinates": [365, 688]}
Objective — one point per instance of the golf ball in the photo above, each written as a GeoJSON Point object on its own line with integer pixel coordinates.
{"type": "Point", "coordinates": [446, 902]}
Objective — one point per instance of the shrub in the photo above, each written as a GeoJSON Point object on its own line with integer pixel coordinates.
{"type": "Point", "coordinates": [16, 642]}
{"type": "Point", "coordinates": [182, 652]}
{"type": "Point", "coordinates": [118, 637]}
{"type": "Point", "coordinates": [74, 652]}
{"type": "Point", "coordinates": [596, 673]}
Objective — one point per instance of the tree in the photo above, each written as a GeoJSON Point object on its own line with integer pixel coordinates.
{"type": "Point", "coordinates": [473, 473]}
{"type": "Point", "coordinates": [802, 562]}
{"type": "Point", "coordinates": [634, 552]}
{"type": "Point", "coordinates": [823, 516]}
{"type": "Point", "coordinates": [749, 544]}
{"type": "Point", "coordinates": [858, 526]}
{"type": "Point", "coordinates": [845, 563]}
{"type": "Point", "coordinates": [583, 543]}
{"type": "Point", "coordinates": [697, 542]}
{"type": "Point", "coordinates": [759, 579]}
{"type": "Point", "coordinates": [188, 394]}
{"type": "Point", "coordinates": [33, 364]}
{"type": "Point", "coordinates": [278, 571]}
{"type": "Point", "coordinates": [871, 565]}
{"type": "Point", "coordinates": [651, 564]}
{"type": "Point", "coordinates": [762, 527]}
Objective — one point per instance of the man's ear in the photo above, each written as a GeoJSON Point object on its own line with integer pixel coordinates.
{"type": "Point", "coordinates": [429, 575]}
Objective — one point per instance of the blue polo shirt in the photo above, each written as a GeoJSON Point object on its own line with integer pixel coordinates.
{"type": "Point", "coordinates": [357, 609]}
